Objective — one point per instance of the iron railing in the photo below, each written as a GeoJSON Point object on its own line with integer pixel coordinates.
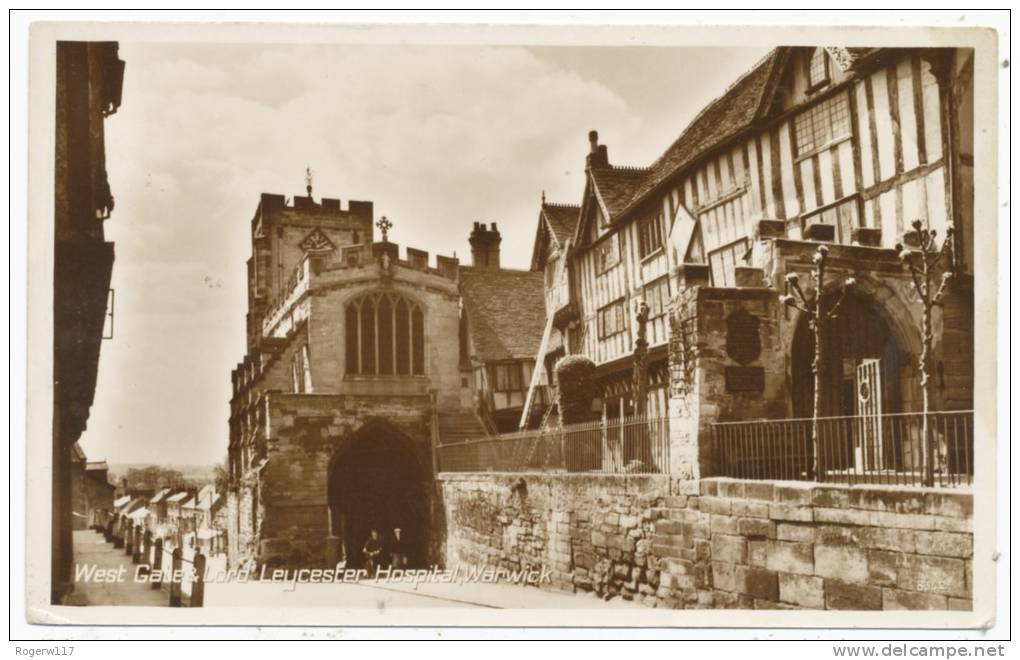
{"type": "Point", "coordinates": [876, 449]}
{"type": "Point", "coordinates": [638, 445]}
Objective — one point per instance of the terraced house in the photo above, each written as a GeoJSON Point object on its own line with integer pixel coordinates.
{"type": "Point", "coordinates": [842, 147]}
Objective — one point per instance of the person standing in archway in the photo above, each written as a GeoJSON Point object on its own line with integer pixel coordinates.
{"type": "Point", "coordinates": [398, 550]}
{"type": "Point", "coordinates": [371, 551]}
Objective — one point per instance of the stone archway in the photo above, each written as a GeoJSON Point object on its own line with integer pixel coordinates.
{"type": "Point", "coordinates": [375, 481]}
{"type": "Point", "coordinates": [861, 330]}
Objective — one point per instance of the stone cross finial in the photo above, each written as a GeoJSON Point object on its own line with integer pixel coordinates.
{"type": "Point", "coordinates": [384, 226]}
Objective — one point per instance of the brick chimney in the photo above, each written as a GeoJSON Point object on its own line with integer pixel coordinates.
{"type": "Point", "coordinates": [485, 245]}
{"type": "Point", "coordinates": [598, 154]}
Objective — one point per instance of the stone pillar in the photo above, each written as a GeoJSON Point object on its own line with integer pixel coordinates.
{"type": "Point", "coordinates": [175, 581]}
{"type": "Point", "coordinates": [726, 363]}
{"type": "Point", "coordinates": [334, 550]}
{"type": "Point", "coordinates": [157, 564]}
{"type": "Point", "coordinates": [198, 586]}
{"type": "Point", "coordinates": [686, 461]}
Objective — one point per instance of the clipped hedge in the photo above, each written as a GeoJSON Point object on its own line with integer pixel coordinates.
{"type": "Point", "coordinates": [576, 388]}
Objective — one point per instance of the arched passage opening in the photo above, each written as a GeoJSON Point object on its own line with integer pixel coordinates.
{"type": "Point", "coordinates": [375, 482]}
{"type": "Point", "coordinates": [867, 374]}
{"type": "Point", "coordinates": [861, 331]}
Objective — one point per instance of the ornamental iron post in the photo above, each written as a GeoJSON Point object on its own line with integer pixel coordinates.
{"type": "Point", "coordinates": [819, 314]}
{"type": "Point", "coordinates": [923, 263]}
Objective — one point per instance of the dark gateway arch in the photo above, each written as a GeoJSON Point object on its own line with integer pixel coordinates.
{"type": "Point", "coordinates": [377, 481]}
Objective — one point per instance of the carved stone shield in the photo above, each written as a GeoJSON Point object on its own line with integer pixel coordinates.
{"type": "Point", "coordinates": [743, 337]}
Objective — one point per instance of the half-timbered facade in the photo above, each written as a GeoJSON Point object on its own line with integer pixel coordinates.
{"type": "Point", "coordinates": [843, 146]}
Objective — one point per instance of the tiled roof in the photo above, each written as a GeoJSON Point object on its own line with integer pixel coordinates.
{"type": "Point", "coordinates": [506, 311]}
{"type": "Point", "coordinates": [622, 187]}
{"type": "Point", "coordinates": [617, 186]}
{"type": "Point", "coordinates": [562, 219]}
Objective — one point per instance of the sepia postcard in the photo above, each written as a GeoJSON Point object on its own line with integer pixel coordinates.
{"type": "Point", "coordinates": [502, 325]}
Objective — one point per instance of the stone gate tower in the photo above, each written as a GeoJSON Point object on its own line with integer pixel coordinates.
{"type": "Point", "coordinates": [351, 357]}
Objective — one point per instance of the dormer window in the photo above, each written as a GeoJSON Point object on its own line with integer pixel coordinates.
{"type": "Point", "coordinates": [818, 69]}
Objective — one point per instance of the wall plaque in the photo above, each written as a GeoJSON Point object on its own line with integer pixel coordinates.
{"type": "Point", "coordinates": [745, 379]}
{"type": "Point", "coordinates": [743, 339]}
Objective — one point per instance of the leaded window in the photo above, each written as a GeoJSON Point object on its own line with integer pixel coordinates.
{"type": "Point", "coordinates": [607, 254]}
{"type": "Point", "coordinates": [612, 319]}
{"type": "Point", "coordinates": [649, 234]}
{"type": "Point", "coordinates": [818, 68]}
{"type": "Point", "coordinates": [657, 297]}
{"type": "Point", "coordinates": [822, 124]}
{"type": "Point", "coordinates": [384, 335]}
{"type": "Point", "coordinates": [301, 371]}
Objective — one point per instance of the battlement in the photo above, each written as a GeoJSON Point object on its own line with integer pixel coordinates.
{"type": "Point", "coordinates": [357, 256]}
{"type": "Point", "coordinates": [271, 202]}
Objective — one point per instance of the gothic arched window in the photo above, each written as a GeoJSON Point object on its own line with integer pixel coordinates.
{"type": "Point", "coordinates": [384, 335]}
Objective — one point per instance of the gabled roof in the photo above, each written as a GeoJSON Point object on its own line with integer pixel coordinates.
{"type": "Point", "coordinates": [121, 501]}
{"type": "Point", "coordinates": [558, 222]}
{"type": "Point", "coordinates": [158, 497]}
{"type": "Point", "coordinates": [78, 454]}
{"type": "Point", "coordinates": [177, 497]}
{"type": "Point", "coordinates": [505, 310]}
{"type": "Point", "coordinates": [616, 187]}
{"type": "Point", "coordinates": [139, 514]}
{"type": "Point", "coordinates": [96, 465]}
{"type": "Point", "coordinates": [207, 498]}
{"type": "Point", "coordinates": [561, 220]}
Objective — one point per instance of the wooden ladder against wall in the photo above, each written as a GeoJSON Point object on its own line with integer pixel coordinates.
{"type": "Point", "coordinates": [536, 372]}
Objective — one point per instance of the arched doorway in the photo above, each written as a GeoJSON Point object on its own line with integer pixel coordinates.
{"type": "Point", "coordinates": [866, 375]}
{"type": "Point", "coordinates": [375, 482]}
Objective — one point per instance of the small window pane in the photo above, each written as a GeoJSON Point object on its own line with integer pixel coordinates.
{"type": "Point", "coordinates": [385, 336]}
{"type": "Point", "coordinates": [403, 339]}
{"type": "Point", "coordinates": [368, 336]}
{"type": "Point", "coordinates": [418, 335]}
{"type": "Point", "coordinates": [351, 339]}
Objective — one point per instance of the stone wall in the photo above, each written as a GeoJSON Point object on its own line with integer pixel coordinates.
{"type": "Point", "coordinates": [726, 544]}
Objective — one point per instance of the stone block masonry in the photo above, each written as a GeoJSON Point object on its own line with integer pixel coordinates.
{"type": "Point", "coordinates": [726, 544]}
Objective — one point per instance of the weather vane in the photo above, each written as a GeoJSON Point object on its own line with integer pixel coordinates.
{"type": "Point", "coordinates": [385, 226]}
{"type": "Point", "coordinates": [308, 180]}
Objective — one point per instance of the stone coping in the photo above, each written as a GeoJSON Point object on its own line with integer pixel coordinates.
{"type": "Point", "coordinates": [903, 499]}
{"type": "Point", "coordinates": [734, 482]}
{"type": "Point", "coordinates": [568, 476]}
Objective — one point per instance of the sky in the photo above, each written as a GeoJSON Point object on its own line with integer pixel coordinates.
{"type": "Point", "coordinates": [437, 137]}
